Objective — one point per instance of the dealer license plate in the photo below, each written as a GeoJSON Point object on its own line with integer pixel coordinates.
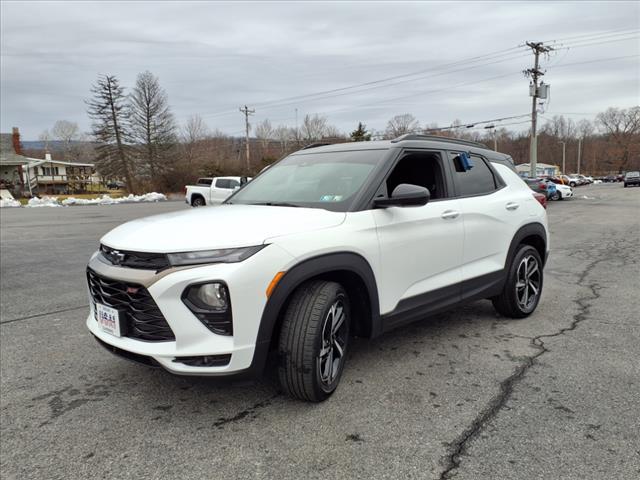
{"type": "Point", "coordinates": [108, 319]}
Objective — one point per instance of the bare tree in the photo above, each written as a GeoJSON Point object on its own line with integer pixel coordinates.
{"type": "Point", "coordinates": [284, 135]}
{"type": "Point", "coordinates": [195, 129]}
{"type": "Point", "coordinates": [65, 131]}
{"type": "Point", "coordinates": [264, 132]}
{"type": "Point", "coordinates": [45, 137]}
{"type": "Point", "coordinates": [622, 128]}
{"type": "Point", "coordinates": [401, 124]}
{"type": "Point", "coordinates": [313, 127]}
{"type": "Point", "coordinates": [108, 110]}
{"type": "Point", "coordinates": [152, 125]}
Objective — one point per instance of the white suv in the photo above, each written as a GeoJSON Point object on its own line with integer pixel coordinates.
{"type": "Point", "coordinates": [330, 242]}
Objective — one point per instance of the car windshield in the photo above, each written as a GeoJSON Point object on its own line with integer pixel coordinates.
{"type": "Point", "coordinates": [328, 180]}
{"type": "Point", "coordinates": [633, 174]}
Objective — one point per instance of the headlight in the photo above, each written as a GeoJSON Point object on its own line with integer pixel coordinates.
{"type": "Point", "coordinates": [226, 255]}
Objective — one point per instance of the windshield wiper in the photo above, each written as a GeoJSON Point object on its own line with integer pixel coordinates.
{"type": "Point", "coordinates": [276, 204]}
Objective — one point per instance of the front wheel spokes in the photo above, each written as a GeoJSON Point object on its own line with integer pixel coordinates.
{"type": "Point", "coordinates": [333, 345]}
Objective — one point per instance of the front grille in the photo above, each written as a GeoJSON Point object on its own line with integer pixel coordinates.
{"type": "Point", "coordinates": [144, 320]}
{"type": "Point", "coordinates": [140, 260]}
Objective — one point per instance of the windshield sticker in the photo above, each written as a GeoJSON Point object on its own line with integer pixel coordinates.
{"type": "Point", "coordinates": [331, 198]}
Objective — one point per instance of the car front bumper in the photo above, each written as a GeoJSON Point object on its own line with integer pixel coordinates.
{"type": "Point", "coordinates": [247, 283]}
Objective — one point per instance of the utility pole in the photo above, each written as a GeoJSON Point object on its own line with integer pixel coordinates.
{"type": "Point", "coordinates": [535, 73]}
{"type": "Point", "coordinates": [247, 112]}
{"type": "Point", "coordinates": [564, 144]}
{"type": "Point", "coordinates": [579, 148]}
{"type": "Point", "coordinates": [495, 136]}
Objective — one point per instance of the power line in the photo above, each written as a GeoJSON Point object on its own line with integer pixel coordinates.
{"type": "Point", "coordinates": [384, 80]}
{"type": "Point", "coordinates": [580, 45]}
{"type": "Point", "coordinates": [606, 33]}
{"type": "Point", "coordinates": [444, 68]}
{"type": "Point", "coordinates": [599, 60]}
{"type": "Point", "coordinates": [474, 124]}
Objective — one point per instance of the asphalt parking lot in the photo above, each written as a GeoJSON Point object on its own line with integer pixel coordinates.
{"type": "Point", "coordinates": [465, 395]}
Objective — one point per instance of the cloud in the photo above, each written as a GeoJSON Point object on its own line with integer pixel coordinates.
{"type": "Point", "coordinates": [213, 57]}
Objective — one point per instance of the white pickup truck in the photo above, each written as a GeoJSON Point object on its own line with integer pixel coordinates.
{"type": "Point", "coordinates": [212, 190]}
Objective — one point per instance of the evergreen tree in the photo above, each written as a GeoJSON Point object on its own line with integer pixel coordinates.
{"type": "Point", "coordinates": [360, 134]}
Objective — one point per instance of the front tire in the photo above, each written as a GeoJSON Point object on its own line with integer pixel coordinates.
{"type": "Point", "coordinates": [313, 340]}
{"type": "Point", "coordinates": [556, 196]}
{"type": "Point", "coordinates": [523, 287]}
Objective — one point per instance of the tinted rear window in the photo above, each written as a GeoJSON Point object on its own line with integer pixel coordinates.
{"type": "Point", "coordinates": [477, 181]}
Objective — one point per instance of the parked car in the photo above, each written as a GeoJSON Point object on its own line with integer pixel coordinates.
{"type": "Point", "coordinates": [610, 179]}
{"type": "Point", "coordinates": [574, 181]}
{"type": "Point", "coordinates": [333, 241]}
{"type": "Point", "coordinates": [564, 191]}
{"type": "Point", "coordinates": [560, 179]}
{"type": "Point", "coordinates": [115, 184]}
{"type": "Point", "coordinates": [546, 187]}
{"type": "Point", "coordinates": [631, 178]}
{"type": "Point", "coordinates": [212, 190]}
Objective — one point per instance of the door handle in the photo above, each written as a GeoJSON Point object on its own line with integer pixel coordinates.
{"type": "Point", "coordinates": [450, 214]}
{"type": "Point", "coordinates": [512, 206]}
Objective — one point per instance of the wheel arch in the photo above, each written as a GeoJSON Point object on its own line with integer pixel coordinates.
{"type": "Point", "coordinates": [349, 269]}
{"type": "Point", "coordinates": [197, 195]}
{"type": "Point", "coordinates": [533, 234]}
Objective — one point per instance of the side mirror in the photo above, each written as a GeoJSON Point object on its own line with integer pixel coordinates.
{"type": "Point", "coordinates": [405, 195]}
{"type": "Point", "coordinates": [243, 180]}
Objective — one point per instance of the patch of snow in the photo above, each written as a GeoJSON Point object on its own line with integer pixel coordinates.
{"type": "Point", "coordinates": [43, 202]}
{"type": "Point", "coordinates": [107, 200]}
{"type": "Point", "coordinates": [9, 202]}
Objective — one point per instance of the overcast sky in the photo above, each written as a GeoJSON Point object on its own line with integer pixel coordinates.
{"type": "Point", "coordinates": [213, 57]}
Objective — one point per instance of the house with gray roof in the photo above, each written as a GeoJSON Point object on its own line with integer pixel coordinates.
{"type": "Point", "coordinates": [23, 175]}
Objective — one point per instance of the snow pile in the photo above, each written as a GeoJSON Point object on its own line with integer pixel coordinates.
{"type": "Point", "coordinates": [43, 202]}
{"type": "Point", "coordinates": [107, 200]}
{"type": "Point", "coordinates": [9, 202]}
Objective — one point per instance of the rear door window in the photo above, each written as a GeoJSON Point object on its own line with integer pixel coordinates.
{"type": "Point", "coordinates": [223, 183]}
{"type": "Point", "coordinates": [479, 180]}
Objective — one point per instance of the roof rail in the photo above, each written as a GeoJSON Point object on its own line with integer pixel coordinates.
{"type": "Point", "coordinates": [420, 136]}
{"type": "Point", "coordinates": [314, 145]}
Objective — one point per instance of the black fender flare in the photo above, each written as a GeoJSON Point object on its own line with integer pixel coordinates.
{"type": "Point", "coordinates": [529, 230]}
{"type": "Point", "coordinates": [305, 270]}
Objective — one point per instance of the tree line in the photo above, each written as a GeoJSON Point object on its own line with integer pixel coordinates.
{"type": "Point", "coordinates": [134, 136]}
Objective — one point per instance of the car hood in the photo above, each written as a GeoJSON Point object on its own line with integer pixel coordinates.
{"type": "Point", "coordinates": [225, 226]}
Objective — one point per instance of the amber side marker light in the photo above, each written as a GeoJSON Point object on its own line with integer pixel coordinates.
{"type": "Point", "coordinates": [274, 283]}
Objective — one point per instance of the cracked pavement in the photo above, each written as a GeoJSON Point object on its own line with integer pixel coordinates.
{"type": "Point", "coordinates": [465, 395]}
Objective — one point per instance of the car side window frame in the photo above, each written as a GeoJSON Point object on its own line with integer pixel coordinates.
{"type": "Point", "coordinates": [497, 180]}
{"type": "Point", "coordinates": [401, 153]}
{"type": "Point", "coordinates": [226, 183]}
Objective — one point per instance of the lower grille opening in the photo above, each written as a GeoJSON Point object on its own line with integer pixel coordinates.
{"type": "Point", "coordinates": [205, 361]}
{"type": "Point", "coordinates": [143, 318]}
{"type": "Point", "coordinates": [133, 357]}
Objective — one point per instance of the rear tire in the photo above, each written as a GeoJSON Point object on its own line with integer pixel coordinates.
{"type": "Point", "coordinates": [523, 287]}
{"type": "Point", "coordinates": [198, 202]}
{"type": "Point", "coordinates": [313, 340]}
